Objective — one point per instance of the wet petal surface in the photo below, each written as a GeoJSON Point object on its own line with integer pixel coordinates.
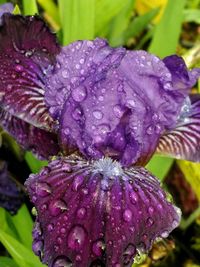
{"type": "Point", "coordinates": [115, 103]}
{"type": "Point", "coordinates": [97, 213]}
{"type": "Point", "coordinates": [27, 53]}
{"type": "Point", "coordinates": [42, 143]}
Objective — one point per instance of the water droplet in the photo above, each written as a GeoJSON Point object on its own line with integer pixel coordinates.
{"type": "Point", "coordinates": [164, 234]}
{"type": "Point", "coordinates": [130, 103]}
{"type": "Point", "coordinates": [77, 114]}
{"type": "Point", "coordinates": [50, 227]}
{"type": "Point", "coordinates": [78, 180]}
{"type": "Point", "coordinates": [19, 68]}
{"type": "Point", "coordinates": [65, 74]}
{"type": "Point", "coordinates": [43, 189]}
{"type": "Point", "coordinates": [98, 247]}
{"type": "Point", "coordinates": [79, 93]}
{"type": "Point", "coordinates": [134, 197]}
{"type": "Point", "coordinates": [82, 60]}
{"type": "Point", "coordinates": [56, 207]}
{"type": "Point", "coordinates": [150, 221]}
{"type": "Point", "coordinates": [98, 114]}
{"type": "Point", "coordinates": [175, 223]}
{"type": "Point", "coordinates": [77, 237]}
{"type": "Point", "coordinates": [62, 261]}
{"type": "Point", "coordinates": [151, 210]}
{"type": "Point", "coordinates": [127, 215]}
{"type": "Point", "coordinates": [150, 130]}
{"type": "Point", "coordinates": [118, 111]}
{"type": "Point", "coordinates": [78, 258]}
{"type": "Point", "coordinates": [103, 128]}
{"type": "Point", "coordinates": [128, 254]}
{"type": "Point", "coordinates": [81, 213]}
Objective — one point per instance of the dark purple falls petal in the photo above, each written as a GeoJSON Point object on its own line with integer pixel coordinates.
{"type": "Point", "coordinates": [112, 102]}
{"type": "Point", "coordinates": [97, 213]}
{"type": "Point", "coordinates": [183, 142]}
{"type": "Point", "coordinates": [42, 143]}
{"type": "Point", "coordinates": [27, 53]}
{"type": "Point", "coordinates": [11, 196]}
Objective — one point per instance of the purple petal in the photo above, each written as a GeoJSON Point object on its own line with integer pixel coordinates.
{"type": "Point", "coordinates": [183, 142]}
{"type": "Point", "coordinates": [11, 196]}
{"type": "Point", "coordinates": [182, 78]}
{"type": "Point", "coordinates": [77, 62]}
{"type": "Point", "coordinates": [92, 213]}
{"type": "Point", "coordinates": [112, 102]}
{"type": "Point", "coordinates": [42, 143]}
{"type": "Point", "coordinates": [5, 8]}
{"type": "Point", "coordinates": [27, 52]}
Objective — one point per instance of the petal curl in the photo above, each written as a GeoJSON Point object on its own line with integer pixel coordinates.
{"type": "Point", "coordinates": [97, 213]}
{"type": "Point", "coordinates": [42, 143]}
{"type": "Point", "coordinates": [183, 142]}
{"type": "Point", "coordinates": [27, 52]}
{"type": "Point", "coordinates": [11, 196]}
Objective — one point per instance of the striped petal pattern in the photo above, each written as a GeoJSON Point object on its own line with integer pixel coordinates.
{"type": "Point", "coordinates": [97, 213]}
{"type": "Point", "coordinates": [183, 142]}
{"type": "Point", "coordinates": [27, 53]}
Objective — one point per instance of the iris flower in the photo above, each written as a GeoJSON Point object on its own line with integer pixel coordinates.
{"type": "Point", "coordinates": [101, 112]}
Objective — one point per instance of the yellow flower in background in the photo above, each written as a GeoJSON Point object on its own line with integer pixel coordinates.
{"type": "Point", "coordinates": [143, 6]}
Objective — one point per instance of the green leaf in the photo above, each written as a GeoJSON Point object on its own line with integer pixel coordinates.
{"type": "Point", "coordinates": [168, 30]}
{"type": "Point", "coordinates": [140, 23]}
{"type": "Point", "coordinates": [192, 15]}
{"type": "Point", "coordinates": [2, 2]}
{"type": "Point", "coordinates": [77, 19]}
{"type": "Point", "coordinates": [51, 9]}
{"type": "Point", "coordinates": [23, 256]}
{"type": "Point", "coordinates": [3, 224]}
{"type": "Point", "coordinates": [24, 229]}
{"type": "Point", "coordinates": [30, 7]}
{"type": "Point", "coordinates": [160, 166]}
{"type": "Point", "coordinates": [120, 24]}
{"type": "Point", "coordinates": [7, 262]}
{"type": "Point", "coordinates": [105, 11]}
{"type": "Point", "coordinates": [34, 164]}
{"type": "Point", "coordinates": [16, 10]}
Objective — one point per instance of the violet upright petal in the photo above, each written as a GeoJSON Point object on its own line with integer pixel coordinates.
{"type": "Point", "coordinates": [97, 213]}
{"type": "Point", "coordinates": [116, 103]}
{"type": "Point", "coordinates": [27, 52]}
{"type": "Point", "coordinates": [11, 196]}
{"type": "Point", "coordinates": [77, 62]}
{"type": "Point", "coordinates": [5, 8]}
{"type": "Point", "coordinates": [42, 143]}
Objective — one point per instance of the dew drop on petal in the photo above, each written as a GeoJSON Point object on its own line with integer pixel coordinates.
{"type": "Point", "coordinates": [98, 114]}
{"type": "Point", "coordinates": [62, 261]}
{"type": "Point", "coordinates": [50, 227]}
{"type": "Point", "coordinates": [118, 111]}
{"type": "Point", "coordinates": [43, 189]}
{"type": "Point", "coordinates": [77, 237]}
{"type": "Point", "coordinates": [78, 180]}
{"type": "Point", "coordinates": [127, 215]}
{"type": "Point", "coordinates": [81, 213]}
{"type": "Point", "coordinates": [79, 93]}
{"type": "Point", "coordinates": [150, 221]}
{"type": "Point", "coordinates": [164, 234]}
{"type": "Point", "coordinates": [56, 207]}
{"type": "Point", "coordinates": [98, 247]}
{"type": "Point", "coordinates": [133, 197]}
